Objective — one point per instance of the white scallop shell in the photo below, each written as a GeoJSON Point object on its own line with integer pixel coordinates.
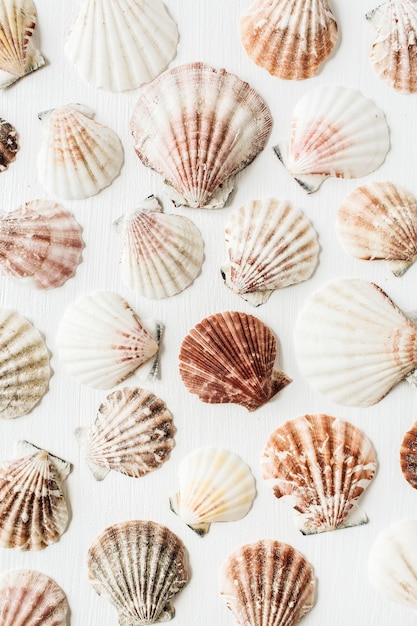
{"type": "Point", "coordinates": [215, 485]}
{"type": "Point", "coordinates": [18, 54]}
{"type": "Point", "coordinates": [121, 44]}
{"type": "Point", "coordinates": [161, 254]}
{"type": "Point", "coordinates": [133, 434]}
{"type": "Point", "coordinates": [335, 131]}
{"type": "Point", "coordinates": [30, 598]}
{"type": "Point", "coordinates": [270, 245]}
{"type": "Point", "coordinates": [24, 365]}
{"type": "Point", "coordinates": [394, 52]}
{"type": "Point", "coordinates": [8, 144]}
{"type": "Point", "coordinates": [353, 344]}
{"type": "Point", "coordinates": [198, 127]}
{"type": "Point", "coordinates": [33, 510]}
{"type": "Point", "coordinates": [78, 156]}
{"type": "Point", "coordinates": [102, 341]}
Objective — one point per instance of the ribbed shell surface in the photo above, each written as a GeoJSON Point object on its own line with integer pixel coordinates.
{"type": "Point", "coordinates": [323, 465]}
{"type": "Point", "coordinates": [408, 456]}
{"type": "Point", "coordinates": [267, 583]}
{"type": "Point", "coordinates": [30, 598]}
{"type": "Point", "coordinates": [289, 38]}
{"type": "Point", "coordinates": [198, 127]}
{"type": "Point", "coordinates": [230, 357]}
{"type": "Point", "coordinates": [8, 144]}
{"type": "Point", "coordinates": [120, 44]}
{"type": "Point", "coordinates": [353, 344]}
{"type": "Point", "coordinates": [138, 566]}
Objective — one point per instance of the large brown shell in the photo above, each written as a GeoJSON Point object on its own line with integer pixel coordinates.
{"type": "Point", "coordinates": [230, 357]}
{"type": "Point", "coordinates": [8, 144]}
{"type": "Point", "coordinates": [408, 456]}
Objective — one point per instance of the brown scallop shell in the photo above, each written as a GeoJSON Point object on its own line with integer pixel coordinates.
{"type": "Point", "coordinates": [8, 144]}
{"type": "Point", "coordinates": [408, 456]}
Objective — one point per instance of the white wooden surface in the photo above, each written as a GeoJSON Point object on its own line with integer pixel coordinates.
{"type": "Point", "coordinates": [209, 32]}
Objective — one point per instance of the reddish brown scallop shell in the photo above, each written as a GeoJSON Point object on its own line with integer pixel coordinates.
{"type": "Point", "coordinates": [408, 456]}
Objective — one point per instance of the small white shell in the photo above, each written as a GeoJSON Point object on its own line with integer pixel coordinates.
{"type": "Point", "coordinates": [102, 341]}
{"type": "Point", "coordinates": [120, 44]}
{"type": "Point", "coordinates": [8, 144]}
{"type": "Point", "coordinates": [270, 245]}
{"type": "Point", "coordinates": [335, 131]}
{"type": "Point", "coordinates": [78, 156]}
{"type": "Point", "coordinates": [215, 485]}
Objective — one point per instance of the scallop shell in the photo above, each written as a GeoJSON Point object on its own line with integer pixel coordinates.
{"type": "Point", "coordinates": [198, 127]}
{"type": "Point", "coordinates": [40, 240]}
{"type": "Point", "coordinates": [353, 344]}
{"type": "Point", "coordinates": [8, 144]}
{"type": "Point", "coordinates": [394, 52]}
{"type": "Point", "coordinates": [335, 131]}
{"type": "Point", "coordinates": [229, 357]}
{"type": "Point", "coordinates": [289, 38]}
{"type": "Point", "coordinates": [24, 365]}
{"type": "Point", "coordinates": [29, 598]}
{"type": "Point", "coordinates": [408, 456]}
{"type": "Point", "coordinates": [78, 156]}
{"type": "Point", "coordinates": [215, 485]}
{"type": "Point", "coordinates": [18, 54]}
{"type": "Point", "coordinates": [119, 45]}
{"type": "Point", "coordinates": [161, 254]}
{"type": "Point", "coordinates": [379, 221]}
{"type": "Point", "coordinates": [267, 582]}
{"type": "Point", "coordinates": [33, 511]}
{"type": "Point", "coordinates": [102, 341]}
{"type": "Point", "coordinates": [132, 434]}
{"type": "Point", "coordinates": [392, 562]}
{"type": "Point", "coordinates": [138, 566]}
{"type": "Point", "coordinates": [321, 465]}
{"type": "Point", "coordinates": [270, 245]}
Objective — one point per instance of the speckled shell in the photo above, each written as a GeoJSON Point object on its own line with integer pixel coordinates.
{"type": "Point", "coordinates": [392, 562]}
{"type": "Point", "coordinates": [30, 598]}
{"type": "Point", "coordinates": [379, 221]}
{"type": "Point", "coordinates": [267, 582]}
{"type": "Point", "coordinates": [353, 344]}
{"type": "Point", "coordinates": [33, 510]}
{"type": "Point", "coordinates": [198, 127]}
{"type": "Point", "coordinates": [230, 357]}
{"type": "Point", "coordinates": [289, 38]}
{"type": "Point", "coordinates": [215, 485]}
{"type": "Point", "coordinates": [120, 44]}
{"type": "Point", "coordinates": [78, 156]}
{"type": "Point", "coordinates": [161, 254]}
{"type": "Point", "coordinates": [18, 55]}
{"type": "Point", "coordinates": [133, 434]}
{"type": "Point", "coordinates": [335, 131]}
{"type": "Point", "coordinates": [24, 365]}
{"type": "Point", "coordinates": [321, 465]}
{"type": "Point", "coordinates": [40, 240]}
{"type": "Point", "coordinates": [138, 566]}
{"type": "Point", "coordinates": [408, 456]}
{"type": "Point", "coordinates": [394, 52]}
{"type": "Point", "coordinates": [270, 245]}
{"type": "Point", "coordinates": [8, 144]}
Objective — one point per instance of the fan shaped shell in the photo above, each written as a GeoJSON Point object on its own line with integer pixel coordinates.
{"type": "Point", "coordinates": [24, 365]}
{"type": "Point", "coordinates": [198, 127]}
{"type": "Point", "coordinates": [335, 131]}
{"type": "Point", "coordinates": [394, 51]}
{"type": "Point", "coordinates": [78, 156]}
{"type": "Point", "coordinates": [230, 357]}
{"type": "Point", "coordinates": [33, 510]}
{"type": "Point", "coordinates": [322, 465]}
{"type": "Point", "coordinates": [267, 582]}
{"type": "Point", "coordinates": [8, 144]}
{"type": "Point", "coordinates": [30, 598]}
{"type": "Point", "coordinates": [161, 254]}
{"type": "Point", "coordinates": [408, 456]}
{"type": "Point", "coordinates": [18, 54]}
{"type": "Point", "coordinates": [40, 240]}
{"type": "Point", "coordinates": [289, 38]}
{"type": "Point", "coordinates": [215, 485]}
{"type": "Point", "coordinates": [138, 566]}
{"type": "Point", "coordinates": [270, 245]}
{"type": "Point", "coordinates": [102, 341]}
{"type": "Point", "coordinates": [120, 45]}
{"type": "Point", "coordinates": [353, 344]}
{"type": "Point", "coordinates": [132, 434]}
